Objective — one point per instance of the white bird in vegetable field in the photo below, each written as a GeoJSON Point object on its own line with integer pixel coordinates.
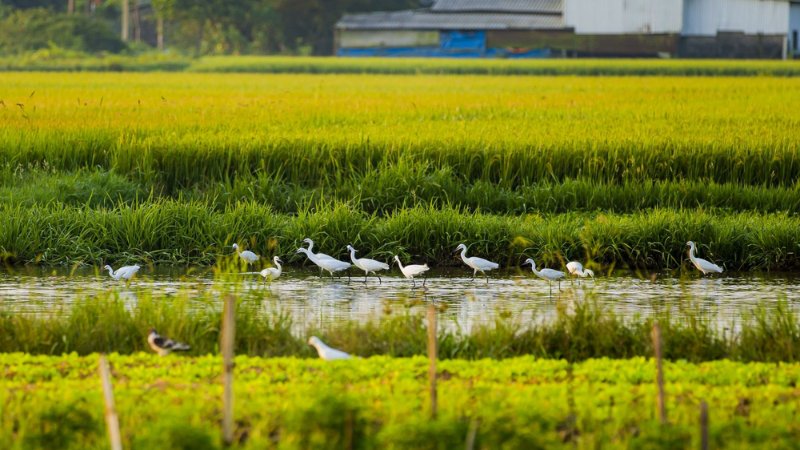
{"type": "Point", "coordinates": [701, 264]}
{"type": "Point", "coordinates": [412, 270]}
{"type": "Point", "coordinates": [325, 352]}
{"type": "Point", "coordinates": [366, 264]}
{"type": "Point", "coordinates": [477, 264]}
{"type": "Point", "coordinates": [162, 345]}
{"type": "Point", "coordinates": [330, 264]}
{"type": "Point", "coordinates": [546, 274]}
{"type": "Point", "coordinates": [246, 255]}
{"type": "Point", "coordinates": [123, 273]}
{"type": "Point", "coordinates": [576, 269]}
{"type": "Point", "coordinates": [270, 273]}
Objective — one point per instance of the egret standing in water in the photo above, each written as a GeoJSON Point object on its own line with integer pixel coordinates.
{"type": "Point", "coordinates": [246, 255]}
{"type": "Point", "coordinates": [576, 269]}
{"type": "Point", "coordinates": [325, 352]}
{"type": "Point", "coordinates": [319, 256]}
{"type": "Point", "coordinates": [123, 273]}
{"type": "Point", "coordinates": [701, 264]}
{"type": "Point", "coordinates": [477, 264]}
{"type": "Point", "coordinates": [412, 270]}
{"type": "Point", "coordinates": [546, 274]}
{"type": "Point", "coordinates": [328, 263]}
{"type": "Point", "coordinates": [270, 273]}
{"type": "Point", "coordinates": [367, 265]}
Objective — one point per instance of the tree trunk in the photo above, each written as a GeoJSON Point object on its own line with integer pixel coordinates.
{"type": "Point", "coordinates": [137, 22]}
{"type": "Point", "coordinates": [70, 6]}
{"type": "Point", "coordinates": [126, 10]}
{"type": "Point", "coordinates": [160, 33]}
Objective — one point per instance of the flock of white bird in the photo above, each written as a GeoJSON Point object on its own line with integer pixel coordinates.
{"type": "Point", "coordinates": [164, 346]}
{"type": "Point", "coordinates": [370, 266]}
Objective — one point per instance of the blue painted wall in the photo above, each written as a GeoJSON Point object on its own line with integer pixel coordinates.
{"type": "Point", "coordinates": [452, 44]}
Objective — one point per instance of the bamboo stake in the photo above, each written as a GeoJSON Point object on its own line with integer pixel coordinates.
{"type": "Point", "coordinates": [472, 433]}
{"type": "Point", "coordinates": [432, 355]}
{"type": "Point", "coordinates": [112, 421]}
{"type": "Point", "coordinates": [704, 425]}
{"type": "Point", "coordinates": [228, 335]}
{"type": "Point", "coordinates": [662, 407]}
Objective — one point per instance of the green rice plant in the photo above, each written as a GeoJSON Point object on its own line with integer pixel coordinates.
{"type": "Point", "coordinates": [170, 232]}
{"type": "Point", "coordinates": [510, 132]}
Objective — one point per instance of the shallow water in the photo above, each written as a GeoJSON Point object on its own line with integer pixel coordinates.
{"type": "Point", "coordinates": [466, 302]}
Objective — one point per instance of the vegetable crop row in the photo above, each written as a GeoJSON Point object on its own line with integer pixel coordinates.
{"type": "Point", "coordinates": [522, 403]}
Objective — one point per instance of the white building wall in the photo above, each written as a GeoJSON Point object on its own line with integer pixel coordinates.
{"type": "Point", "coordinates": [624, 16]}
{"type": "Point", "coordinates": [707, 17]}
{"type": "Point", "coordinates": [794, 27]}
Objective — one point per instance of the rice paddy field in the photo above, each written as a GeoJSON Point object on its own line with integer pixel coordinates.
{"type": "Point", "coordinates": [615, 164]}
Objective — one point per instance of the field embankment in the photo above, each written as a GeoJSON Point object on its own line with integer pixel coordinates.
{"type": "Point", "coordinates": [45, 61]}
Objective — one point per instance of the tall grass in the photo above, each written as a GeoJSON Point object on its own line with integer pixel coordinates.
{"type": "Point", "coordinates": [107, 323]}
{"type": "Point", "coordinates": [190, 233]}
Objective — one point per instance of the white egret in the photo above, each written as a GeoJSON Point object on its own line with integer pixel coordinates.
{"type": "Point", "coordinates": [330, 264]}
{"type": "Point", "coordinates": [246, 255]}
{"type": "Point", "coordinates": [701, 264]}
{"type": "Point", "coordinates": [477, 264]}
{"type": "Point", "coordinates": [319, 256]}
{"type": "Point", "coordinates": [270, 273]}
{"type": "Point", "coordinates": [546, 274]}
{"type": "Point", "coordinates": [325, 352]}
{"type": "Point", "coordinates": [162, 345]}
{"type": "Point", "coordinates": [311, 249]}
{"type": "Point", "coordinates": [123, 273]}
{"type": "Point", "coordinates": [412, 270]}
{"type": "Point", "coordinates": [576, 269]}
{"type": "Point", "coordinates": [366, 264]}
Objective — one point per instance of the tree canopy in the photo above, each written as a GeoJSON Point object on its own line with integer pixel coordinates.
{"type": "Point", "coordinates": [192, 26]}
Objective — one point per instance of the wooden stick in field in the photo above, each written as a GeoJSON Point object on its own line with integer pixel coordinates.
{"type": "Point", "coordinates": [228, 335]}
{"type": "Point", "coordinates": [112, 421]}
{"type": "Point", "coordinates": [432, 355]}
{"type": "Point", "coordinates": [662, 407]}
{"type": "Point", "coordinates": [704, 425]}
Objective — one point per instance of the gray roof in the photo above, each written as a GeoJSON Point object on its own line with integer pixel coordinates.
{"type": "Point", "coordinates": [425, 20]}
{"type": "Point", "coordinates": [499, 6]}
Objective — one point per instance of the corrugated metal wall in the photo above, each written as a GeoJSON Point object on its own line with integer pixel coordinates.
{"type": "Point", "coordinates": [624, 16]}
{"type": "Point", "coordinates": [388, 38]}
{"type": "Point", "coordinates": [794, 27]}
{"type": "Point", "coordinates": [707, 17]}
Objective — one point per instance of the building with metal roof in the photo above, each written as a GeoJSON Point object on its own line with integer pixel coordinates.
{"type": "Point", "coordinates": [541, 28]}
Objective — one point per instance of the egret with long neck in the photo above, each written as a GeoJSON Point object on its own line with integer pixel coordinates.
{"type": "Point", "coordinates": [412, 270]}
{"type": "Point", "coordinates": [701, 264]}
{"type": "Point", "coordinates": [477, 264]}
{"type": "Point", "coordinates": [546, 274]}
{"type": "Point", "coordinates": [367, 265]}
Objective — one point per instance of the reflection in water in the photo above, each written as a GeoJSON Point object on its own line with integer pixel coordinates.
{"type": "Point", "coordinates": [320, 301]}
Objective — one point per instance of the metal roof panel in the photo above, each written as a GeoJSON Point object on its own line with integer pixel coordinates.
{"type": "Point", "coordinates": [423, 20]}
{"type": "Point", "coordinates": [499, 6]}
